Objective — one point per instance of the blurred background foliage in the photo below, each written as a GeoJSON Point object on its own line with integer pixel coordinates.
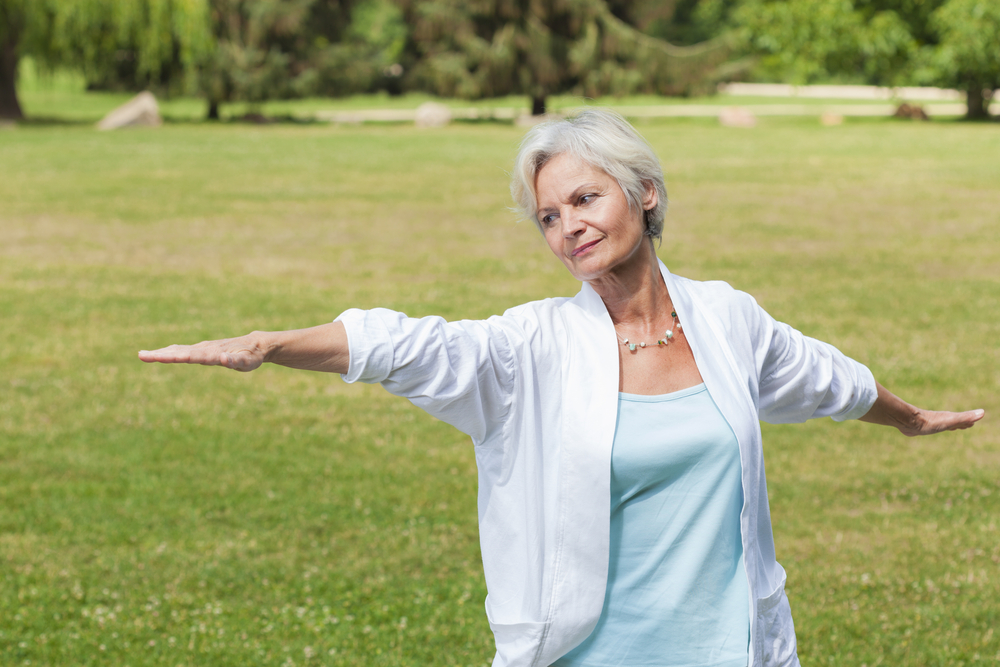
{"type": "Point", "coordinates": [501, 47]}
{"type": "Point", "coordinates": [256, 50]}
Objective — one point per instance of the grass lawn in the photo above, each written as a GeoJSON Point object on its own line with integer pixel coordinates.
{"type": "Point", "coordinates": [160, 515]}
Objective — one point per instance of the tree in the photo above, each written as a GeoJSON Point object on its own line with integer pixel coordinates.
{"type": "Point", "coordinates": [132, 44]}
{"type": "Point", "coordinates": [226, 50]}
{"type": "Point", "coordinates": [13, 23]}
{"type": "Point", "coordinates": [488, 48]}
{"type": "Point", "coordinates": [681, 22]}
{"type": "Point", "coordinates": [146, 43]}
{"type": "Point", "coordinates": [916, 14]}
{"type": "Point", "coordinates": [266, 49]}
{"type": "Point", "coordinates": [812, 41]}
{"type": "Point", "coordinates": [952, 43]}
{"type": "Point", "coordinates": [968, 54]}
{"type": "Point", "coordinates": [24, 26]}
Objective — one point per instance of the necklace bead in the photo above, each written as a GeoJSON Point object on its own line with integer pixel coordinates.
{"type": "Point", "coordinates": [668, 336]}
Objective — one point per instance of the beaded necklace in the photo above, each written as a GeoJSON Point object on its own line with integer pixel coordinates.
{"type": "Point", "coordinates": [667, 336]}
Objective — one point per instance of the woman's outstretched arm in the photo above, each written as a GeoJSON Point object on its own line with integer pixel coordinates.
{"type": "Point", "coordinates": [322, 348]}
{"type": "Point", "coordinates": [891, 410]}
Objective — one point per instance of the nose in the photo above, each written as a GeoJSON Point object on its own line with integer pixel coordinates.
{"type": "Point", "coordinates": [572, 224]}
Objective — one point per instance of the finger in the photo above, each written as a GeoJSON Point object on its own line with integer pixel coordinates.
{"type": "Point", "coordinates": [962, 420]}
{"type": "Point", "coordinates": [180, 354]}
{"type": "Point", "coordinates": [939, 421]}
{"type": "Point", "coordinates": [162, 356]}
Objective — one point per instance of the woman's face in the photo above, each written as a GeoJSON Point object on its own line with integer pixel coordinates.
{"type": "Point", "coordinates": [586, 218]}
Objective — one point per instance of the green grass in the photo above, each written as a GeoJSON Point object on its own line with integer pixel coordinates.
{"type": "Point", "coordinates": [187, 516]}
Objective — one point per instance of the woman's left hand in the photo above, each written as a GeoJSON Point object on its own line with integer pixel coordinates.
{"type": "Point", "coordinates": [890, 410]}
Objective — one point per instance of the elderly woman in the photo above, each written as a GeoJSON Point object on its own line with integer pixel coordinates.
{"type": "Point", "coordinates": [623, 509]}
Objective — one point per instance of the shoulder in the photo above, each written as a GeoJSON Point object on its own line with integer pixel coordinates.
{"type": "Point", "coordinates": [735, 312]}
{"type": "Point", "coordinates": [539, 308]}
{"type": "Point", "coordinates": [534, 316]}
{"type": "Point", "coordinates": [550, 326]}
{"type": "Point", "coordinates": [718, 295]}
{"type": "Point", "coordinates": [584, 304]}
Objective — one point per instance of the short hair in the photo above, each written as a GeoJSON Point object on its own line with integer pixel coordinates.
{"type": "Point", "coordinates": [605, 141]}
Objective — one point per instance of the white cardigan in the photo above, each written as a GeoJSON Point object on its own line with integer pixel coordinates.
{"type": "Point", "coordinates": [537, 389]}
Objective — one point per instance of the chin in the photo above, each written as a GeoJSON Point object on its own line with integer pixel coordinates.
{"type": "Point", "coordinates": [587, 273]}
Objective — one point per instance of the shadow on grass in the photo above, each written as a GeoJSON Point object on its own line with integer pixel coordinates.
{"type": "Point", "coordinates": [288, 119]}
{"type": "Point", "coordinates": [51, 121]}
{"type": "Point", "coordinates": [46, 121]}
{"type": "Point", "coordinates": [261, 119]}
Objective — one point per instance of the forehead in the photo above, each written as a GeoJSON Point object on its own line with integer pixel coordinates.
{"type": "Point", "coordinates": [563, 174]}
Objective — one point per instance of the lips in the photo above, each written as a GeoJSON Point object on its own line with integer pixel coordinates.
{"type": "Point", "coordinates": [584, 248]}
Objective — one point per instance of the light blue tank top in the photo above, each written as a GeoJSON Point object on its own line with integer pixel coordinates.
{"type": "Point", "coordinates": [677, 593]}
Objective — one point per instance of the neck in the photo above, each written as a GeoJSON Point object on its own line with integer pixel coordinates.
{"type": "Point", "coordinates": [635, 294]}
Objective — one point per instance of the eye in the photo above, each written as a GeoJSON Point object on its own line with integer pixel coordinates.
{"type": "Point", "coordinates": [588, 199]}
{"type": "Point", "coordinates": [548, 220]}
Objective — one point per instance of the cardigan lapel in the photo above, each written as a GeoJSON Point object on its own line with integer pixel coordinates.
{"type": "Point", "coordinates": [589, 417]}
{"type": "Point", "coordinates": [714, 357]}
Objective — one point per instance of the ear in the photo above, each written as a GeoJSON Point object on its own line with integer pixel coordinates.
{"type": "Point", "coordinates": [651, 199]}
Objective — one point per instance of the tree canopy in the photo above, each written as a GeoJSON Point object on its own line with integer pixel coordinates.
{"type": "Point", "coordinates": [224, 50]}
{"type": "Point", "coordinates": [537, 48]}
{"type": "Point", "coordinates": [813, 41]}
{"type": "Point", "coordinates": [135, 43]}
{"type": "Point", "coordinates": [253, 50]}
{"type": "Point", "coordinates": [267, 49]}
{"type": "Point", "coordinates": [952, 43]}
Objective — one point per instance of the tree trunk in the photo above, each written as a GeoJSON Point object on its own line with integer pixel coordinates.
{"type": "Point", "coordinates": [9, 106]}
{"type": "Point", "coordinates": [537, 105]}
{"type": "Point", "coordinates": [977, 102]}
{"type": "Point", "coordinates": [213, 110]}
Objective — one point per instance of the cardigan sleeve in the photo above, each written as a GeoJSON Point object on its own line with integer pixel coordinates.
{"type": "Point", "coordinates": [460, 372]}
{"type": "Point", "coordinates": [802, 378]}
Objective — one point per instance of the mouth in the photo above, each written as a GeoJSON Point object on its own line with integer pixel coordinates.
{"type": "Point", "coordinates": [584, 248]}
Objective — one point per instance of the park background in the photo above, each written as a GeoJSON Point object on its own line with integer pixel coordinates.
{"type": "Point", "coordinates": [157, 515]}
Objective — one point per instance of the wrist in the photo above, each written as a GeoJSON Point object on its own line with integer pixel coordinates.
{"type": "Point", "coordinates": [912, 421]}
{"type": "Point", "coordinates": [266, 345]}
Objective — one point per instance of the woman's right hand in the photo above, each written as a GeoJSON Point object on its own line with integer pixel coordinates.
{"type": "Point", "coordinates": [323, 348]}
{"type": "Point", "coordinates": [244, 354]}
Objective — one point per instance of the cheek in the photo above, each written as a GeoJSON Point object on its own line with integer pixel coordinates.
{"type": "Point", "coordinates": [557, 251]}
{"type": "Point", "coordinates": [554, 241]}
{"type": "Point", "coordinates": [632, 223]}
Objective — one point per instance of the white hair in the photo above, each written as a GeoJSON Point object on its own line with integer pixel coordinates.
{"type": "Point", "coordinates": [605, 141]}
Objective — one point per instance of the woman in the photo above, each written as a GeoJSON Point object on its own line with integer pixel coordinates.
{"type": "Point", "coordinates": [645, 390]}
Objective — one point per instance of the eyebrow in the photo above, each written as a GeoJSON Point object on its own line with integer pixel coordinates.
{"type": "Point", "coordinates": [573, 195]}
{"type": "Point", "coordinates": [586, 186]}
